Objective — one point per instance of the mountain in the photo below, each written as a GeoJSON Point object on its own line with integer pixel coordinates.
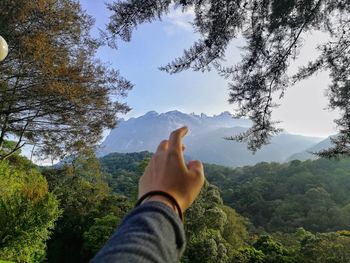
{"type": "Point", "coordinates": [307, 154]}
{"type": "Point", "coordinates": [205, 140]}
{"type": "Point", "coordinates": [145, 132]}
{"type": "Point", "coordinates": [230, 153]}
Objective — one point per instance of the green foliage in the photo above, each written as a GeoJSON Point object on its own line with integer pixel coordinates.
{"type": "Point", "coordinates": [98, 234]}
{"type": "Point", "coordinates": [274, 251]}
{"type": "Point", "coordinates": [213, 231]}
{"type": "Point", "coordinates": [27, 213]}
{"type": "Point", "coordinates": [208, 247]}
{"type": "Point", "coordinates": [265, 250]}
{"type": "Point", "coordinates": [307, 247]}
{"type": "Point", "coordinates": [9, 146]}
{"type": "Point", "coordinates": [123, 171]}
{"type": "Point", "coordinates": [325, 248]}
{"type": "Point", "coordinates": [303, 247]}
{"type": "Point", "coordinates": [143, 165]}
{"type": "Point", "coordinates": [90, 210]}
{"type": "Point", "coordinates": [248, 255]}
{"type": "Point", "coordinates": [284, 197]}
{"type": "Point", "coordinates": [235, 230]}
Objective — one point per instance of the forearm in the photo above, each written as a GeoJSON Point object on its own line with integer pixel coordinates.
{"type": "Point", "coordinates": [150, 233]}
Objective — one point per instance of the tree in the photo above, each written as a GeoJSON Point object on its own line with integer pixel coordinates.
{"type": "Point", "coordinates": [123, 171]}
{"type": "Point", "coordinates": [99, 233]}
{"type": "Point", "coordinates": [53, 93]}
{"type": "Point", "coordinates": [324, 247]}
{"type": "Point", "coordinates": [274, 31]}
{"type": "Point", "coordinates": [248, 255]}
{"type": "Point", "coordinates": [284, 197]}
{"type": "Point", "coordinates": [274, 251]}
{"type": "Point", "coordinates": [89, 210]}
{"type": "Point", "coordinates": [213, 230]}
{"type": "Point", "coordinates": [27, 212]}
{"type": "Point", "coordinates": [235, 230]}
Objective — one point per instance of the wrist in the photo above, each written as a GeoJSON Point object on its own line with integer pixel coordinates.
{"type": "Point", "coordinates": [167, 199]}
{"type": "Point", "coordinates": [164, 200]}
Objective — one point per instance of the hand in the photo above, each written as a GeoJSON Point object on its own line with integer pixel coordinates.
{"type": "Point", "coordinates": [168, 172]}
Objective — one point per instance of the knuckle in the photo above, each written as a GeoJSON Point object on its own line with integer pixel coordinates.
{"type": "Point", "coordinates": [198, 173]}
{"type": "Point", "coordinates": [173, 152]}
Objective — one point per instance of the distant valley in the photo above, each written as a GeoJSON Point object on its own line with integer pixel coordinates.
{"type": "Point", "coordinates": [205, 140]}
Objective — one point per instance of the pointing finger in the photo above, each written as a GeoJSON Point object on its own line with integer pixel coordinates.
{"type": "Point", "coordinates": [175, 139]}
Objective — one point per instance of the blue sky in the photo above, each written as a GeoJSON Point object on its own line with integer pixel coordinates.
{"type": "Point", "coordinates": [153, 45]}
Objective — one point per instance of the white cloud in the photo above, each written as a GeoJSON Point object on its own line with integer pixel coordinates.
{"type": "Point", "coordinates": [177, 21]}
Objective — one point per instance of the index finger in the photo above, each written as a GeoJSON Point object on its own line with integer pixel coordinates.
{"type": "Point", "coordinates": [175, 139]}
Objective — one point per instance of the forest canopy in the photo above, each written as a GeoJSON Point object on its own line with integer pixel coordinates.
{"type": "Point", "coordinates": [265, 213]}
{"type": "Point", "coordinates": [270, 212]}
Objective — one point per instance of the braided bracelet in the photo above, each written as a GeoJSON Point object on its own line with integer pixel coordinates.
{"type": "Point", "coordinates": [152, 193]}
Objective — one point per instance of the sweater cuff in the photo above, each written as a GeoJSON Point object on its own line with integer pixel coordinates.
{"type": "Point", "coordinates": [170, 215]}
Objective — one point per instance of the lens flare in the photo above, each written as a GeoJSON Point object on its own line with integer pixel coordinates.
{"type": "Point", "coordinates": [4, 49]}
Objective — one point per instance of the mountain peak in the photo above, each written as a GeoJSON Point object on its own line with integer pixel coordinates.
{"type": "Point", "coordinates": [225, 114]}
{"type": "Point", "coordinates": [151, 113]}
{"type": "Point", "coordinates": [174, 112]}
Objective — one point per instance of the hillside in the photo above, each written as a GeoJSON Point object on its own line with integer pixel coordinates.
{"type": "Point", "coordinates": [276, 197]}
{"type": "Point", "coordinates": [283, 197]}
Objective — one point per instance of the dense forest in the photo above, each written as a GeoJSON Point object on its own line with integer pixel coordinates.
{"type": "Point", "coordinates": [292, 212]}
{"type": "Point", "coordinates": [300, 209]}
{"type": "Point", "coordinates": [284, 197]}
{"type": "Point", "coordinates": [276, 197]}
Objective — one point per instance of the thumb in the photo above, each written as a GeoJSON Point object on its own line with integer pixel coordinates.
{"type": "Point", "coordinates": [196, 167]}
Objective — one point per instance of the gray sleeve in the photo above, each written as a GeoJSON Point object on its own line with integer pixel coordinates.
{"type": "Point", "coordinates": [152, 232]}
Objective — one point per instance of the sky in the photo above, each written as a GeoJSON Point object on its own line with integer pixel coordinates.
{"type": "Point", "coordinates": [302, 111]}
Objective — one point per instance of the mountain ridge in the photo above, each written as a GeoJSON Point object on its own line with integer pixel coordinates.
{"type": "Point", "coordinates": [205, 139]}
{"type": "Point", "coordinates": [308, 153]}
